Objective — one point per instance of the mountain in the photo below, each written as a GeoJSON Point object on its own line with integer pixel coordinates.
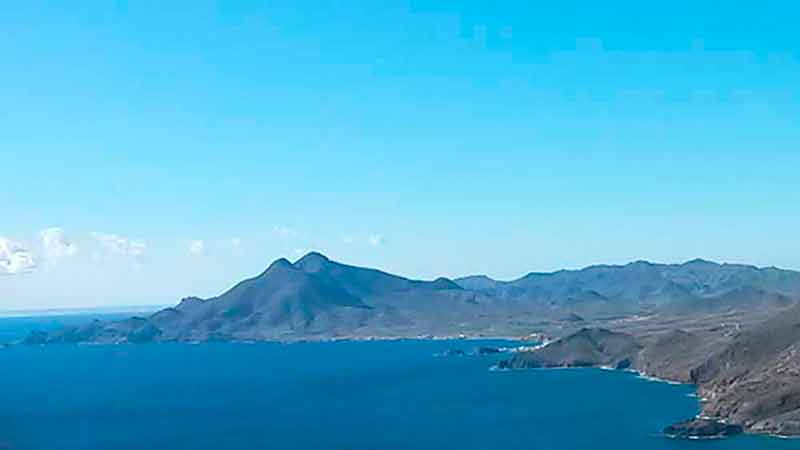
{"type": "Point", "coordinates": [313, 298]}
{"type": "Point", "coordinates": [478, 282]}
{"type": "Point", "coordinates": [697, 286]}
{"type": "Point", "coordinates": [741, 298]}
{"type": "Point", "coordinates": [317, 298]}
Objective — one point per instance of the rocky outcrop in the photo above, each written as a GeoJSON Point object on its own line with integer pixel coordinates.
{"type": "Point", "coordinates": [589, 347]}
{"type": "Point", "coordinates": [672, 355]}
{"type": "Point", "coordinates": [702, 429]}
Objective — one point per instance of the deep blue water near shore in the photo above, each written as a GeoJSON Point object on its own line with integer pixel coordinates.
{"type": "Point", "coordinates": [347, 395]}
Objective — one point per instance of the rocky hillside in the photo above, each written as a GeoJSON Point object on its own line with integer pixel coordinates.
{"type": "Point", "coordinates": [755, 379]}
{"type": "Point", "coordinates": [589, 347]}
{"type": "Point", "coordinates": [750, 381]}
{"type": "Point", "coordinates": [312, 298]}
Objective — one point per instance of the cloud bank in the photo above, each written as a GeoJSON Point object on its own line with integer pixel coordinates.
{"type": "Point", "coordinates": [14, 258]}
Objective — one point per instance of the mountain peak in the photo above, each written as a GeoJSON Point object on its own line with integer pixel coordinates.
{"type": "Point", "coordinates": [313, 256]}
{"type": "Point", "coordinates": [444, 283]}
{"type": "Point", "coordinates": [477, 282]}
{"type": "Point", "coordinates": [281, 263]}
{"type": "Point", "coordinates": [641, 263]}
{"type": "Point", "coordinates": [700, 262]}
{"type": "Point", "coordinates": [477, 277]}
{"type": "Point", "coordinates": [188, 302]}
{"type": "Point", "coordinates": [312, 262]}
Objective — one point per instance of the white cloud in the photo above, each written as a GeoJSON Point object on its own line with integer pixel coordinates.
{"type": "Point", "coordinates": [56, 245]}
{"type": "Point", "coordinates": [284, 232]}
{"type": "Point", "coordinates": [120, 245]}
{"type": "Point", "coordinates": [376, 240]}
{"type": "Point", "coordinates": [197, 248]}
{"type": "Point", "coordinates": [14, 258]}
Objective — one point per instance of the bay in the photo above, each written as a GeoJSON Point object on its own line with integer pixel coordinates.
{"type": "Point", "coordinates": [335, 395]}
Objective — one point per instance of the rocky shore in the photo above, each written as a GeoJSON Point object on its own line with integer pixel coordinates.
{"type": "Point", "coordinates": [750, 383]}
{"type": "Point", "coordinates": [702, 429]}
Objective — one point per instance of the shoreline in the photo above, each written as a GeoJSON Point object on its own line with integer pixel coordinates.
{"type": "Point", "coordinates": [307, 340]}
{"type": "Point", "coordinates": [654, 379]}
{"type": "Point", "coordinates": [459, 338]}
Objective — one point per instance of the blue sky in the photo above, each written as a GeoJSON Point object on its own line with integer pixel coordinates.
{"type": "Point", "coordinates": [155, 151]}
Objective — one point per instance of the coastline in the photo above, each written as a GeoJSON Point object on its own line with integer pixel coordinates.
{"type": "Point", "coordinates": [472, 338]}
{"type": "Point", "coordinates": [455, 338]}
{"type": "Point", "coordinates": [655, 379]}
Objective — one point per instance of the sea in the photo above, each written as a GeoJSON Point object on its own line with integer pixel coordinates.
{"type": "Point", "coordinates": [378, 395]}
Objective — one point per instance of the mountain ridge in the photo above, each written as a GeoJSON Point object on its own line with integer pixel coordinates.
{"type": "Point", "coordinates": [316, 297]}
{"type": "Point", "coordinates": [641, 284]}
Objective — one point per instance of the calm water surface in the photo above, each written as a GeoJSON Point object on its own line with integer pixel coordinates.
{"type": "Point", "coordinates": [348, 396]}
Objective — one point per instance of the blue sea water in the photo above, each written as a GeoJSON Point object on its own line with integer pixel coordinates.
{"type": "Point", "coordinates": [318, 396]}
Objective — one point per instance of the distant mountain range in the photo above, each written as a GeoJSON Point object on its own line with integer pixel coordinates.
{"type": "Point", "coordinates": [692, 287]}
{"type": "Point", "coordinates": [316, 298]}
